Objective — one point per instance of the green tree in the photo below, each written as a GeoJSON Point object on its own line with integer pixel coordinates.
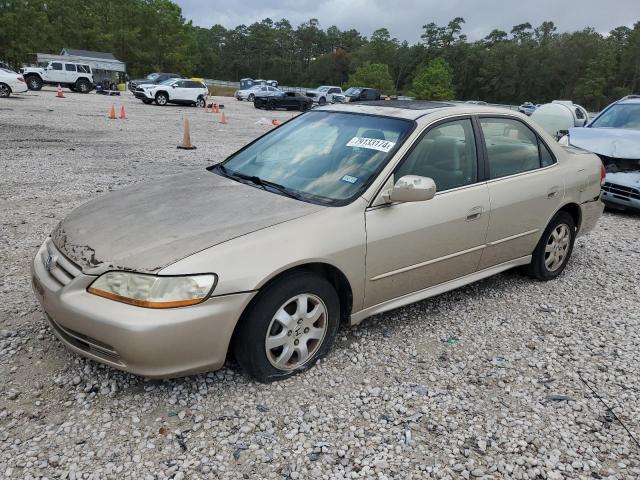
{"type": "Point", "coordinates": [374, 75]}
{"type": "Point", "coordinates": [434, 81]}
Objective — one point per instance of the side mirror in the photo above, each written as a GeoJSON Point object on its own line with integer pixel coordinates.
{"type": "Point", "coordinates": [412, 188]}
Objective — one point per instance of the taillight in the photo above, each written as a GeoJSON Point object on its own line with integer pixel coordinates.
{"type": "Point", "coordinates": [20, 79]}
{"type": "Point", "coordinates": [603, 174]}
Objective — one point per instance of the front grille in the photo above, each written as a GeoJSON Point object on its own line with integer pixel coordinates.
{"type": "Point", "coordinates": [59, 267]}
{"type": "Point", "coordinates": [621, 192]}
{"type": "Point", "coordinates": [86, 343]}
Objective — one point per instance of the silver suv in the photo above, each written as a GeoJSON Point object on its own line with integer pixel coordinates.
{"type": "Point", "coordinates": [75, 76]}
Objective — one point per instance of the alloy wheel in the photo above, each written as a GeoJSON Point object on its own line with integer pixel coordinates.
{"type": "Point", "coordinates": [4, 91]}
{"type": "Point", "coordinates": [296, 331]}
{"type": "Point", "coordinates": [557, 247]}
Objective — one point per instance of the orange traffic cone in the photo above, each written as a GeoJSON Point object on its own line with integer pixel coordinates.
{"type": "Point", "coordinates": [215, 108]}
{"type": "Point", "coordinates": [222, 119]}
{"type": "Point", "coordinates": [123, 114]}
{"type": "Point", "coordinates": [112, 113]}
{"type": "Point", "coordinates": [60, 94]}
{"type": "Point", "coordinates": [275, 122]}
{"type": "Point", "coordinates": [186, 138]}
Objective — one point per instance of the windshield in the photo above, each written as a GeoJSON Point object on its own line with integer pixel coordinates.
{"type": "Point", "coordinates": [352, 91]}
{"type": "Point", "coordinates": [323, 89]}
{"type": "Point", "coordinates": [152, 76]}
{"type": "Point", "coordinates": [622, 115]}
{"type": "Point", "coordinates": [320, 157]}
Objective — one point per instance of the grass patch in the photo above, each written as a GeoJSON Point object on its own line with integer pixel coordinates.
{"type": "Point", "coordinates": [221, 91]}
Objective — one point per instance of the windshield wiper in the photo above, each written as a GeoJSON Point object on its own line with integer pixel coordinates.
{"type": "Point", "coordinates": [259, 182]}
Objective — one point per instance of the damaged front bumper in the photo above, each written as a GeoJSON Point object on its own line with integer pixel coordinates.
{"type": "Point", "coordinates": [155, 343]}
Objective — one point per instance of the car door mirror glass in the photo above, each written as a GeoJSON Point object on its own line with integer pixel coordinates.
{"type": "Point", "coordinates": [412, 188]}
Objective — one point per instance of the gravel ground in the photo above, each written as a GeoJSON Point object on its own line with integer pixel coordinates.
{"type": "Point", "coordinates": [482, 382]}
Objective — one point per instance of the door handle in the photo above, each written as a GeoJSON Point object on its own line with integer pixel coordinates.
{"type": "Point", "coordinates": [553, 192]}
{"type": "Point", "coordinates": [475, 213]}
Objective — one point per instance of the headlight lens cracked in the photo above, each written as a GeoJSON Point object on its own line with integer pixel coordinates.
{"type": "Point", "coordinates": [153, 291]}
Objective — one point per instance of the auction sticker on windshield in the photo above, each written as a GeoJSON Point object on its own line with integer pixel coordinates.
{"type": "Point", "coordinates": [371, 143]}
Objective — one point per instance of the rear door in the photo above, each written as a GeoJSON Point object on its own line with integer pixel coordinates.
{"type": "Point", "coordinates": [181, 93]}
{"type": "Point", "coordinates": [524, 188]}
{"type": "Point", "coordinates": [70, 72]}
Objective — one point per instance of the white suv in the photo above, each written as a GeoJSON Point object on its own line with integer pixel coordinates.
{"type": "Point", "coordinates": [324, 94]}
{"type": "Point", "coordinates": [173, 90]}
{"type": "Point", "coordinates": [75, 76]}
{"type": "Point", "coordinates": [250, 94]}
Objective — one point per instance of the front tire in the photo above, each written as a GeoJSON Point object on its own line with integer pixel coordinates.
{"type": "Point", "coordinates": [554, 248]}
{"type": "Point", "coordinates": [34, 82]}
{"type": "Point", "coordinates": [291, 324]}
{"type": "Point", "coordinates": [322, 101]}
{"type": "Point", "coordinates": [146, 101]}
{"type": "Point", "coordinates": [251, 97]}
{"type": "Point", "coordinates": [162, 99]}
{"type": "Point", "coordinates": [5, 90]}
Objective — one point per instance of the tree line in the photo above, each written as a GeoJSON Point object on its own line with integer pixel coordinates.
{"type": "Point", "coordinates": [534, 63]}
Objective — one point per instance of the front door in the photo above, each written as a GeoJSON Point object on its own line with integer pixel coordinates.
{"type": "Point", "coordinates": [55, 73]}
{"type": "Point", "coordinates": [412, 246]}
{"type": "Point", "coordinates": [523, 188]}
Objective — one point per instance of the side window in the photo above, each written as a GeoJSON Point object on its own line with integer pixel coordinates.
{"type": "Point", "coordinates": [334, 90]}
{"type": "Point", "coordinates": [56, 66]}
{"type": "Point", "coordinates": [447, 154]}
{"type": "Point", "coordinates": [546, 158]}
{"type": "Point", "coordinates": [511, 147]}
{"type": "Point", "coordinates": [69, 67]}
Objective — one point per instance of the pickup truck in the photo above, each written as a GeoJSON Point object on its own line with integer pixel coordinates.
{"type": "Point", "coordinates": [324, 94]}
{"type": "Point", "coordinates": [76, 76]}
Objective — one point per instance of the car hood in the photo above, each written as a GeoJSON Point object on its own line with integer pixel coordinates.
{"type": "Point", "coordinates": [628, 179]}
{"type": "Point", "coordinates": [147, 227]}
{"type": "Point", "coordinates": [611, 142]}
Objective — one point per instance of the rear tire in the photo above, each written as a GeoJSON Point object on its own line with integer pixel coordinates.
{"type": "Point", "coordinates": [554, 248]}
{"type": "Point", "coordinates": [5, 90]}
{"type": "Point", "coordinates": [200, 102]}
{"type": "Point", "coordinates": [83, 86]}
{"type": "Point", "coordinates": [288, 327]}
{"type": "Point", "coordinates": [34, 82]}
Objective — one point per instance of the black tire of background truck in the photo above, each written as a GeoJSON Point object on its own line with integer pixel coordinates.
{"type": "Point", "coordinates": [34, 82]}
{"type": "Point", "coordinates": [83, 86]}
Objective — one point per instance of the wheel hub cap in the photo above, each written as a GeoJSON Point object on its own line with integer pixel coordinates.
{"type": "Point", "coordinates": [555, 252]}
{"type": "Point", "coordinates": [296, 331]}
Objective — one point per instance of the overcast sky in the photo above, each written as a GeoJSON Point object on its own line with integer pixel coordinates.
{"type": "Point", "coordinates": [404, 18]}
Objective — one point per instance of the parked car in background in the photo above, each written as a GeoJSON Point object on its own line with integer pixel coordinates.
{"type": "Point", "coordinates": [614, 135]}
{"type": "Point", "coordinates": [357, 94]}
{"type": "Point", "coordinates": [324, 94]}
{"type": "Point", "coordinates": [251, 93]}
{"type": "Point", "coordinates": [174, 90]}
{"type": "Point", "coordinates": [286, 100]}
{"type": "Point", "coordinates": [344, 212]}
{"type": "Point", "coordinates": [476, 102]}
{"type": "Point", "coordinates": [11, 82]}
{"type": "Point", "coordinates": [75, 76]}
{"type": "Point", "coordinates": [152, 79]}
{"type": "Point", "coordinates": [527, 108]}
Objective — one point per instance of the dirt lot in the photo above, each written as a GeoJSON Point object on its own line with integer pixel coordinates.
{"type": "Point", "coordinates": [483, 382]}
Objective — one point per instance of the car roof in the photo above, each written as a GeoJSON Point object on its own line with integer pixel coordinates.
{"type": "Point", "coordinates": [414, 109]}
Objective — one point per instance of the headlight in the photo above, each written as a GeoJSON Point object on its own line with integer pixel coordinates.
{"type": "Point", "coordinates": [153, 291]}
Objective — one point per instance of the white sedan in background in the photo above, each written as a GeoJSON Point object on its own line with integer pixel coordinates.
{"type": "Point", "coordinates": [11, 82]}
{"type": "Point", "coordinates": [250, 94]}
